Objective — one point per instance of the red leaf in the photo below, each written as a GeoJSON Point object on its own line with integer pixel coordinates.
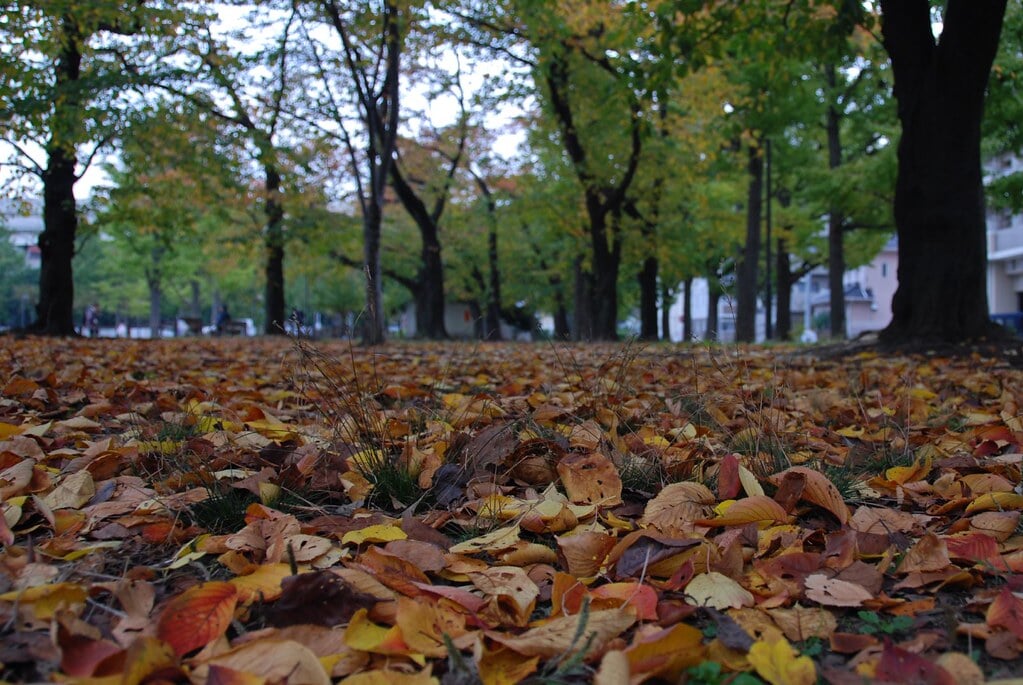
{"type": "Point", "coordinates": [197, 616]}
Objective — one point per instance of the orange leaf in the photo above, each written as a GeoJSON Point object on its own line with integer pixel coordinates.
{"type": "Point", "coordinates": [197, 616]}
{"type": "Point", "coordinates": [590, 479]}
{"type": "Point", "coordinates": [666, 653]}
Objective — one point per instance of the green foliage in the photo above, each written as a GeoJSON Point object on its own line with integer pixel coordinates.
{"type": "Point", "coordinates": [874, 623]}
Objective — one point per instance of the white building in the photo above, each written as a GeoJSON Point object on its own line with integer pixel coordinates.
{"type": "Point", "coordinates": [1005, 252]}
{"type": "Point", "coordinates": [23, 228]}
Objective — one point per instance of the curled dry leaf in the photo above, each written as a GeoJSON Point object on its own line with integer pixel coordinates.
{"type": "Point", "coordinates": [819, 490]}
{"type": "Point", "coordinates": [558, 636]}
{"type": "Point", "coordinates": [677, 506]}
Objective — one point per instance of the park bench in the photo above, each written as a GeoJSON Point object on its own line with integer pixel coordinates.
{"type": "Point", "coordinates": [231, 328]}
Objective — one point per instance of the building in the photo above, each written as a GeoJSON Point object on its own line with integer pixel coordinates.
{"type": "Point", "coordinates": [24, 223]}
{"type": "Point", "coordinates": [1005, 252]}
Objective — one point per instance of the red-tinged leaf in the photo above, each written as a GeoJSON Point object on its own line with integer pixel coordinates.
{"type": "Point", "coordinates": [728, 477]}
{"type": "Point", "coordinates": [975, 548]}
{"type": "Point", "coordinates": [900, 666]}
{"type": "Point", "coordinates": [197, 616]}
{"type": "Point", "coordinates": [641, 597]}
{"type": "Point", "coordinates": [1006, 612]}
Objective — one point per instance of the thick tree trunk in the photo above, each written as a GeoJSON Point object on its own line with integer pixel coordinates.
{"type": "Point", "coordinates": [582, 313]}
{"type": "Point", "coordinates": [431, 281]}
{"type": "Point", "coordinates": [54, 311]}
{"type": "Point", "coordinates": [746, 317]}
{"type": "Point", "coordinates": [604, 277]}
{"type": "Point", "coordinates": [274, 242]}
{"type": "Point", "coordinates": [647, 278]}
{"type": "Point", "coordinates": [939, 202]}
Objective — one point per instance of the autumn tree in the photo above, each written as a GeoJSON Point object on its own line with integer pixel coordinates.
{"type": "Point", "coordinates": [363, 110]}
{"type": "Point", "coordinates": [64, 90]}
{"type": "Point", "coordinates": [939, 201]}
{"type": "Point", "coordinates": [249, 91]}
{"type": "Point", "coordinates": [172, 185]}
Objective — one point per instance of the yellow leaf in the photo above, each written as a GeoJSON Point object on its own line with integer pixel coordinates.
{"type": "Point", "coordinates": [496, 540]}
{"type": "Point", "coordinates": [778, 664]}
{"type": "Point", "coordinates": [45, 600]}
{"type": "Point", "coordinates": [996, 501]}
{"type": "Point", "coordinates": [263, 583]}
{"type": "Point", "coordinates": [376, 533]}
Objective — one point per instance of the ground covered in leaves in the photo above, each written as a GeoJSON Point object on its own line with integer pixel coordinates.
{"type": "Point", "coordinates": [246, 511]}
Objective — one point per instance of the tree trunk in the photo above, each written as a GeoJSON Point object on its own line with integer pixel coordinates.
{"type": "Point", "coordinates": [939, 201]}
{"type": "Point", "coordinates": [373, 326]}
{"type": "Point", "coordinates": [606, 262]}
{"type": "Point", "coordinates": [783, 330]}
{"type": "Point", "coordinates": [746, 317]}
{"type": "Point", "coordinates": [493, 313]}
{"type": "Point", "coordinates": [713, 298]}
{"type": "Point", "coordinates": [666, 295]}
{"type": "Point", "coordinates": [54, 311]}
{"type": "Point", "coordinates": [687, 311]}
{"type": "Point", "coordinates": [647, 278]}
{"type": "Point", "coordinates": [562, 329]}
{"type": "Point", "coordinates": [155, 306]}
{"type": "Point", "coordinates": [274, 242]}
{"type": "Point", "coordinates": [836, 222]}
{"type": "Point", "coordinates": [582, 314]}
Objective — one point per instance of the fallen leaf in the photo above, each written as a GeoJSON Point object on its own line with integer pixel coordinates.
{"type": "Point", "coordinates": [197, 616]}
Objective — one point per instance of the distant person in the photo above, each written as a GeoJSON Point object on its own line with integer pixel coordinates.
{"type": "Point", "coordinates": [298, 317]}
{"type": "Point", "coordinates": [91, 320]}
{"type": "Point", "coordinates": [223, 318]}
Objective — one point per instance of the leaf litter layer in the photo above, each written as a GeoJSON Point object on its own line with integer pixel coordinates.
{"type": "Point", "coordinates": [243, 511]}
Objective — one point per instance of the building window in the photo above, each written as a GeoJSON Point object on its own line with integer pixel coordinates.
{"type": "Point", "coordinates": [1004, 220]}
{"type": "Point", "coordinates": [884, 271]}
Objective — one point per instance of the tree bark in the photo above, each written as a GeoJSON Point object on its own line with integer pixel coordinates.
{"type": "Point", "coordinates": [582, 314]}
{"type": "Point", "coordinates": [647, 278]}
{"type": "Point", "coordinates": [939, 201]}
{"type": "Point", "coordinates": [836, 222]}
{"type": "Point", "coordinates": [783, 329]}
{"type": "Point", "coordinates": [54, 311]}
{"type": "Point", "coordinates": [687, 311]}
{"type": "Point", "coordinates": [746, 317]}
{"type": "Point", "coordinates": [274, 242]}
{"type": "Point", "coordinates": [666, 295]}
